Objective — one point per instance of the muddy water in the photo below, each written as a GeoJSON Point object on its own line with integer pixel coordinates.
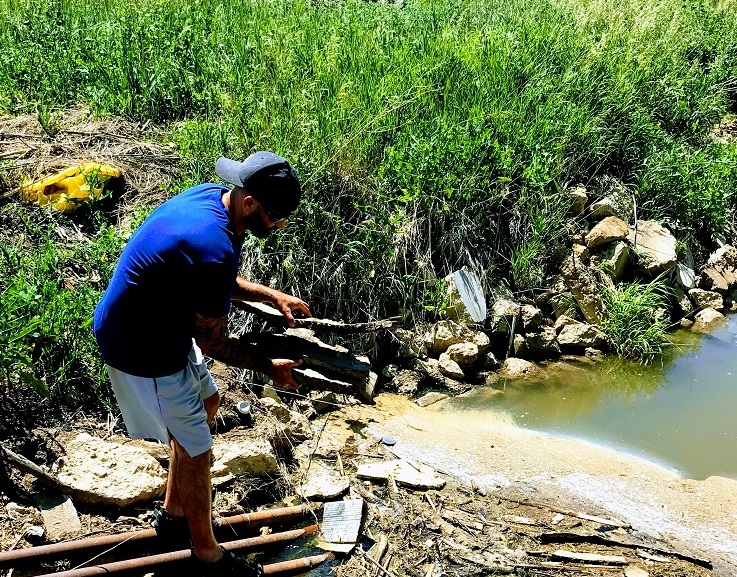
{"type": "Point", "coordinates": [681, 413]}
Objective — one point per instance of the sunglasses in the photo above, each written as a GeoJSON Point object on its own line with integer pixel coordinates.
{"type": "Point", "coordinates": [274, 216]}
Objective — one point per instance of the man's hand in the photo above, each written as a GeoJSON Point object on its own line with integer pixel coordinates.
{"type": "Point", "coordinates": [288, 305]}
{"type": "Point", "coordinates": [280, 371]}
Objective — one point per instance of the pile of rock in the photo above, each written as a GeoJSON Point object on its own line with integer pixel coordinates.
{"type": "Point", "coordinates": [566, 319]}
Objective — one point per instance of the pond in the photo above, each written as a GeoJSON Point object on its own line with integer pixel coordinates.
{"type": "Point", "coordinates": [681, 412]}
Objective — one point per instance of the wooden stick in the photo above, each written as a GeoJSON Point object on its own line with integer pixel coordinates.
{"type": "Point", "coordinates": [595, 519]}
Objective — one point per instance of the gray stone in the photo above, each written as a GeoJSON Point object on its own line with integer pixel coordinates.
{"type": "Point", "coordinates": [110, 473]}
{"type": "Point", "coordinates": [504, 313]}
{"type": "Point", "coordinates": [584, 287]}
{"type": "Point", "coordinates": [390, 371]}
{"type": "Point", "coordinates": [323, 487]}
{"type": "Point", "coordinates": [431, 370]}
{"type": "Point", "coordinates": [707, 320]}
{"type": "Point", "coordinates": [449, 367]}
{"type": "Point", "coordinates": [430, 398]}
{"type": "Point", "coordinates": [608, 230]}
{"type": "Point", "coordinates": [465, 354]}
{"type": "Point", "coordinates": [563, 321]}
{"type": "Point", "coordinates": [60, 517]}
{"type": "Point", "coordinates": [242, 453]}
{"type": "Point", "coordinates": [580, 336]}
{"type": "Point", "coordinates": [654, 246]}
{"type": "Point", "coordinates": [602, 208]}
{"type": "Point", "coordinates": [682, 303]}
{"type": "Point", "coordinates": [614, 260]}
{"type": "Point", "coordinates": [706, 299]}
{"type": "Point", "coordinates": [514, 368]}
{"type": "Point", "coordinates": [617, 200]}
{"type": "Point", "coordinates": [581, 251]}
{"type": "Point", "coordinates": [543, 343]}
{"type": "Point", "coordinates": [296, 425]}
{"type": "Point", "coordinates": [481, 340]}
{"type": "Point", "coordinates": [519, 345]}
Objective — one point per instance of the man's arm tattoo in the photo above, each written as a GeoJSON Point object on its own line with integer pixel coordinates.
{"type": "Point", "coordinates": [211, 335]}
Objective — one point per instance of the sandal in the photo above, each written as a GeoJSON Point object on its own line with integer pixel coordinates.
{"type": "Point", "coordinates": [230, 565]}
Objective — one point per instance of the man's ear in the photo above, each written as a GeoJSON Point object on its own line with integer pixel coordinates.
{"type": "Point", "coordinates": [250, 204]}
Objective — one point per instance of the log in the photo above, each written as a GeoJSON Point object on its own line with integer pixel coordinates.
{"type": "Point", "coordinates": [27, 466]}
{"type": "Point", "coordinates": [273, 316]}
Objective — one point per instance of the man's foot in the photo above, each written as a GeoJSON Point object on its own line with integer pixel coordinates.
{"type": "Point", "coordinates": [172, 531]}
{"type": "Point", "coordinates": [230, 565]}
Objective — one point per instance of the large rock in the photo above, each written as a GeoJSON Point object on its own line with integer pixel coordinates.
{"type": "Point", "coordinates": [465, 302]}
{"type": "Point", "coordinates": [613, 259]}
{"type": "Point", "coordinates": [531, 318]}
{"type": "Point", "coordinates": [654, 246]}
{"type": "Point", "coordinates": [584, 287]}
{"type": "Point", "coordinates": [406, 382]}
{"type": "Point", "coordinates": [514, 368]}
{"type": "Point", "coordinates": [720, 272]}
{"type": "Point", "coordinates": [707, 320]}
{"type": "Point", "coordinates": [296, 425]}
{"type": "Point", "coordinates": [447, 333]}
{"type": "Point", "coordinates": [563, 304]}
{"type": "Point", "coordinates": [577, 337]}
{"type": "Point", "coordinates": [465, 354]}
{"type": "Point", "coordinates": [242, 453]}
{"type": "Point", "coordinates": [431, 370]}
{"type": "Point", "coordinates": [543, 344]}
{"type": "Point", "coordinates": [617, 202]}
{"type": "Point", "coordinates": [61, 520]}
{"type": "Point", "coordinates": [449, 367]}
{"type": "Point", "coordinates": [411, 344]}
{"type": "Point", "coordinates": [606, 231]}
{"type": "Point", "coordinates": [110, 473]}
{"type": "Point", "coordinates": [706, 299]}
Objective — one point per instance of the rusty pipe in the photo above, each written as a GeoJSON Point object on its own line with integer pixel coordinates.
{"type": "Point", "coordinates": [297, 565]}
{"type": "Point", "coordinates": [157, 561]}
{"type": "Point", "coordinates": [52, 551]}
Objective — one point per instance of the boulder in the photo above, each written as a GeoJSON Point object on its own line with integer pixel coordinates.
{"type": "Point", "coordinates": [584, 287]}
{"type": "Point", "coordinates": [411, 344]}
{"type": "Point", "coordinates": [61, 520]}
{"type": "Point", "coordinates": [481, 340]}
{"type": "Point", "coordinates": [464, 297]}
{"type": "Point", "coordinates": [580, 336]}
{"type": "Point", "coordinates": [563, 304]}
{"type": "Point", "coordinates": [602, 208]}
{"type": "Point", "coordinates": [654, 246]}
{"type": "Point", "coordinates": [447, 333]}
{"type": "Point", "coordinates": [543, 344]}
{"type": "Point", "coordinates": [110, 473]}
{"type": "Point", "coordinates": [706, 299]}
{"type": "Point", "coordinates": [681, 303]}
{"type": "Point", "coordinates": [431, 370]}
{"type": "Point", "coordinates": [720, 271]}
{"type": "Point", "coordinates": [242, 453]}
{"type": "Point", "coordinates": [320, 482]}
{"type": "Point", "coordinates": [707, 320]}
{"type": "Point", "coordinates": [514, 368]}
{"type": "Point", "coordinates": [449, 367]}
{"type": "Point", "coordinates": [531, 318]}
{"type": "Point", "coordinates": [563, 321]}
{"type": "Point", "coordinates": [607, 231]}
{"type": "Point", "coordinates": [581, 251]}
{"type": "Point", "coordinates": [617, 201]}
{"type": "Point", "coordinates": [407, 382]}
{"type": "Point", "coordinates": [519, 346]}
{"type": "Point", "coordinates": [577, 198]}
{"type": "Point", "coordinates": [613, 259]}
{"type": "Point", "coordinates": [465, 354]}
{"type": "Point", "coordinates": [503, 314]}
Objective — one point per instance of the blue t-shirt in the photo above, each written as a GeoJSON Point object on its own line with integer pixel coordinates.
{"type": "Point", "coordinates": [182, 260]}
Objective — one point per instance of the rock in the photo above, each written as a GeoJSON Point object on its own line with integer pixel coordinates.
{"type": "Point", "coordinates": [413, 475]}
{"type": "Point", "coordinates": [584, 287]}
{"type": "Point", "coordinates": [158, 451]}
{"type": "Point", "coordinates": [449, 367]}
{"type": "Point", "coordinates": [654, 246]}
{"type": "Point", "coordinates": [407, 382]}
{"type": "Point", "coordinates": [431, 370]}
{"type": "Point", "coordinates": [706, 299]}
{"type": "Point", "coordinates": [242, 453]}
{"type": "Point", "coordinates": [296, 425]}
{"type": "Point", "coordinates": [602, 208]}
{"type": "Point", "coordinates": [614, 260]}
{"type": "Point", "coordinates": [482, 341]}
{"type": "Point", "coordinates": [617, 201]}
{"type": "Point", "coordinates": [720, 272]}
{"type": "Point", "coordinates": [681, 303]}
{"type": "Point", "coordinates": [503, 314]}
{"type": "Point", "coordinates": [324, 401]}
{"type": "Point", "coordinates": [543, 344]}
{"type": "Point", "coordinates": [607, 231]}
{"type": "Point", "coordinates": [514, 368]}
{"type": "Point", "coordinates": [563, 304]}
{"type": "Point", "coordinates": [390, 371]}
{"type": "Point", "coordinates": [531, 318]}
{"type": "Point", "coordinates": [430, 398]}
{"type": "Point", "coordinates": [578, 198]}
{"type": "Point", "coordinates": [707, 320]}
{"type": "Point", "coordinates": [581, 251]}
{"type": "Point", "coordinates": [411, 344]}
{"type": "Point", "coordinates": [110, 473]}
{"type": "Point", "coordinates": [489, 361]}
{"type": "Point", "coordinates": [593, 354]}
{"type": "Point", "coordinates": [686, 323]}
{"type": "Point", "coordinates": [447, 333]}
{"type": "Point", "coordinates": [563, 321]}
{"type": "Point", "coordinates": [60, 517]}
{"type": "Point", "coordinates": [579, 336]}
{"type": "Point", "coordinates": [465, 302]}
{"type": "Point", "coordinates": [323, 486]}
{"type": "Point", "coordinates": [519, 346]}
{"type": "Point", "coordinates": [465, 354]}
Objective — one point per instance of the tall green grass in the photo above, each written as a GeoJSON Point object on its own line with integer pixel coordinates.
{"type": "Point", "coordinates": [429, 135]}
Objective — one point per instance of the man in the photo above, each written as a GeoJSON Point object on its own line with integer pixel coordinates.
{"type": "Point", "coordinates": [168, 303]}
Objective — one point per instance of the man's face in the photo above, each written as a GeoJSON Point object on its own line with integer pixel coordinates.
{"type": "Point", "coordinates": [260, 224]}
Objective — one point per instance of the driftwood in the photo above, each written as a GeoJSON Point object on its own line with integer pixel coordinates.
{"type": "Point", "coordinates": [629, 542]}
{"type": "Point", "coordinates": [28, 466]}
{"type": "Point", "coordinates": [593, 518]}
{"type": "Point", "coordinates": [273, 316]}
{"type": "Point", "coordinates": [325, 367]}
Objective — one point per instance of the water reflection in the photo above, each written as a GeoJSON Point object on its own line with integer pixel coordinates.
{"type": "Point", "coordinates": [679, 412]}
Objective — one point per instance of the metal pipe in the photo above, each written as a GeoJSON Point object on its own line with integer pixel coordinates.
{"type": "Point", "coordinates": [157, 561]}
{"type": "Point", "coordinates": [283, 515]}
{"type": "Point", "coordinates": [297, 565]}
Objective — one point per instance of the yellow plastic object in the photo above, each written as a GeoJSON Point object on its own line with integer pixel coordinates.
{"type": "Point", "coordinates": [66, 190]}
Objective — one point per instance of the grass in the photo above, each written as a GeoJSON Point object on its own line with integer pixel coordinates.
{"type": "Point", "coordinates": [429, 135]}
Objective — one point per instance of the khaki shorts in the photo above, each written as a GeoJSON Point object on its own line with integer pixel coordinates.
{"type": "Point", "coordinates": [171, 406]}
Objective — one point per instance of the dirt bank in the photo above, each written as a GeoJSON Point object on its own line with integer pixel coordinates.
{"type": "Point", "coordinates": [494, 455]}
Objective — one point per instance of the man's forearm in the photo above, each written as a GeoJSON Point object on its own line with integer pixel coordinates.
{"type": "Point", "coordinates": [212, 337]}
{"type": "Point", "coordinates": [250, 291]}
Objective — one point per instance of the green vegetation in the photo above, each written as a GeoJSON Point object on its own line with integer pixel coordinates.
{"type": "Point", "coordinates": [429, 134]}
{"type": "Point", "coordinates": [635, 320]}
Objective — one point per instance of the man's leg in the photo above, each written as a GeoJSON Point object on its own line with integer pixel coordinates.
{"type": "Point", "coordinates": [191, 478]}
